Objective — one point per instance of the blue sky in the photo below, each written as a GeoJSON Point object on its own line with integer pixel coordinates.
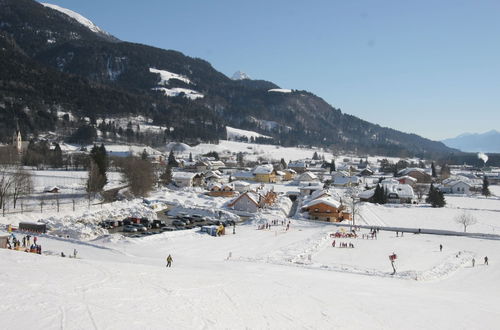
{"type": "Point", "coordinates": [425, 67]}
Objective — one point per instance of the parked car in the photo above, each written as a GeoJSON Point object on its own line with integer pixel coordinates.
{"type": "Point", "coordinates": [129, 229]}
{"type": "Point", "coordinates": [180, 215]}
{"type": "Point", "coordinates": [187, 220]}
{"type": "Point", "coordinates": [178, 223]}
{"type": "Point", "coordinates": [139, 227]}
{"type": "Point", "coordinates": [168, 229]}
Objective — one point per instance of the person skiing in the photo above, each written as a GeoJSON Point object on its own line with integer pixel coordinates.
{"type": "Point", "coordinates": [473, 262]}
{"type": "Point", "coordinates": [440, 247]}
{"type": "Point", "coordinates": [486, 260]}
{"type": "Point", "coordinates": [169, 261]}
{"type": "Point", "coordinates": [333, 243]}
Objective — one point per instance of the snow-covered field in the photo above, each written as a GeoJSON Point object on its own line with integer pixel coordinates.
{"type": "Point", "coordinates": [272, 279]}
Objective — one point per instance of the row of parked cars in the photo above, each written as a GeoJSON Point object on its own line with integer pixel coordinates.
{"type": "Point", "coordinates": [184, 221]}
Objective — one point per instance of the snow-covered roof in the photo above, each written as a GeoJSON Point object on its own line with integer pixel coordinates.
{"type": "Point", "coordinates": [407, 177]}
{"type": "Point", "coordinates": [298, 164]}
{"type": "Point", "coordinates": [243, 175]}
{"type": "Point", "coordinates": [324, 200]}
{"type": "Point", "coordinates": [307, 176]}
{"type": "Point", "coordinates": [254, 197]}
{"type": "Point", "coordinates": [240, 184]}
{"type": "Point", "coordinates": [183, 175]}
{"type": "Point", "coordinates": [340, 180]}
{"type": "Point", "coordinates": [281, 173]}
{"type": "Point", "coordinates": [403, 190]}
{"type": "Point", "coordinates": [264, 169]}
{"type": "Point", "coordinates": [408, 170]}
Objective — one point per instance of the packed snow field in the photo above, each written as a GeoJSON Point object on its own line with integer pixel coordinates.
{"type": "Point", "coordinates": [270, 278]}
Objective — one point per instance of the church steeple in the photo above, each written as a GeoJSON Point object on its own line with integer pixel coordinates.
{"type": "Point", "coordinates": [17, 141]}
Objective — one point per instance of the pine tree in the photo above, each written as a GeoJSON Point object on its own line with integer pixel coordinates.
{"type": "Point", "coordinates": [332, 166]}
{"type": "Point", "coordinates": [485, 191]}
{"type": "Point", "coordinates": [57, 159]}
{"type": "Point", "coordinates": [166, 177]}
{"type": "Point", "coordinates": [100, 158]}
{"type": "Point", "coordinates": [283, 163]}
{"type": "Point", "coordinates": [144, 155]}
{"type": "Point", "coordinates": [435, 197]}
{"type": "Point", "coordinates": [171, 160]}
{"type": "Point", "coordinates": [433, 169]}
{"type": "Point", "coordinates": [190, 157]}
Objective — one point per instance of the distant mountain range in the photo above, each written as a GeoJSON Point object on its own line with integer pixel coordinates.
{"type": "Point", "coordinates": [474, 142]}
{"type": "Point", "coordinates": [60, 72]}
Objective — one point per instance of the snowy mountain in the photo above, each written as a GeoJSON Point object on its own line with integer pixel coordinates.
{"type": "Point", "coordinates": [238, 75]}
{"type": "Point", "coordinates": [474, 142]}
{"type": "Point", "coordinates": [79, 18]}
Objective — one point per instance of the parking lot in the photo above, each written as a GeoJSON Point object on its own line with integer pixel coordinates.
{"type": "Point", "coordinates": [133, 227]}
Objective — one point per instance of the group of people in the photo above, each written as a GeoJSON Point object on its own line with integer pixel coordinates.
{"type": "Point", "coordinates": [485, 261]}
{"type": "Point", "coordinates": [343, 244]}
{"type": "Point", "coordinates": [75, 252]}
{"type": "Point", "coordinates": [24, 243]}
{"type": "Point", "coordinates": [268, 225]}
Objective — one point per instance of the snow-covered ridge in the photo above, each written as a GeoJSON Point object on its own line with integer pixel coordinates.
{"type": "Point", "coordinates": [280, 90]}
{"type": "Point", "coordinates": [235, 133]}
{"type": "Point", "coordinates": [77, 17]}
{"type": "Point", "coordinates": [165, 76]}
{"type": "Point", "coordinates": [238, 75]}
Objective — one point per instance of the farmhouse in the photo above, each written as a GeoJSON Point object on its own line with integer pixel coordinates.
{"type": "Point", "coordinates": [326, 209]}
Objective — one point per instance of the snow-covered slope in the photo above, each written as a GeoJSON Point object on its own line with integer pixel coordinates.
{"type": "Point", "coordinates": [77, 17]}
{"type": "Point", "coordinates": [235, 133]}
{"type": "Point", "coordinates": [165, 76]}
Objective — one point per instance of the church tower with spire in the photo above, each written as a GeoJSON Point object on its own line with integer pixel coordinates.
{"type": "Point", "coordinates": [17, 141]}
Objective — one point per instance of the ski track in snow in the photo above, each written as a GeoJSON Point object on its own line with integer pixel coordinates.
{"type": "Point", "coordinates": [297, 255]}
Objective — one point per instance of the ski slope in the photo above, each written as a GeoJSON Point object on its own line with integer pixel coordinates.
{"type": "Point", "coordinates": [269, 282]}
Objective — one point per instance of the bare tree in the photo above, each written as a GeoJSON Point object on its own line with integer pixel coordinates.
{"type": "Point", "coordinates": [22, 185]}
{"type": "Point", "coordinates": [6, 182]}
{"type": "Point", "coordinates": [353, 202]}
{"type": "Point", "coordinates": [94, 180]}
{"type": "Point", "coordinates": [466, 219]}
{"type": "Point", "coordinates": [139, 175]}
{"type": "Point", "coordinates": [421, 191]}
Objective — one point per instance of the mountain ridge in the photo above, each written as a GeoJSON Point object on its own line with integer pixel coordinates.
{"type": "Point", "coordinates": [105, 64]}
{"type": "Point", "coordinates": [476, 142]}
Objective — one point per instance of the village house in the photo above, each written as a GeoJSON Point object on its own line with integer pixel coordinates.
{"type": "Point", "coordinates": [407, 180]}
{"type": "Point", "coordinates": [455, 186]}
{"type": "Point", "coordinates": [298, 166]}
{"type": "Point", "coordinates": [307, 177]}
{"type": "Point", "coordinates": [326, 209]}
{"type": "Point", "coordinates": [265, 173]}
{"type": "Point", "coordinates": [241, 186]}
{"type": "Point", "coordinates": [418, 173]}
{"type": "Point", "coordinates": [246, 202]}
{"type": "Point", "coordinates": [309, 189]}
{"type": "Point", "coordinates": [221, 190]}
{"type": "Point", "coordinates": [289, 174]}
{"type": "Point", "coordinates": [396, 193]}
{"type": "Point", "coordinates": [244, 175]}
{"type": "Point", "coordinates": [183, 179]}
{"type": "Point", "coordinates": [213, 177]}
